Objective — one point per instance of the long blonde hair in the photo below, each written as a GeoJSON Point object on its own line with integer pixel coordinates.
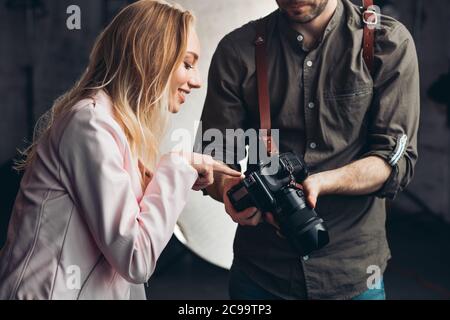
{"type": "Point", "coordinates": [132, 60]}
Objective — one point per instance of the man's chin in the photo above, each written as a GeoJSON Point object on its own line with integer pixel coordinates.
{"type": "Point", "coordinates": [300, 18]}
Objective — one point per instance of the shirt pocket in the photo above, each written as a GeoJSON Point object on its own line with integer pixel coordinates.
{"type": "Point", "coordinates": [348, 93]}
{"type": "Point", "coordinates": [344, 115]}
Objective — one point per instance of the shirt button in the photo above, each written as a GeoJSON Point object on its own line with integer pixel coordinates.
{"type": "Point", "coordinates": [309, 63]}
{"type": "Point", "coordinates": [313, 145]}
{"type": "Point", "coordinates": [311, 105]}
{"type": "Point", "coordinates": [300, 38]}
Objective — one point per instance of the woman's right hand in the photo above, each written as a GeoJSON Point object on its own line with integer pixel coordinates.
{"type": "Point", "coordinates": [206, 166]}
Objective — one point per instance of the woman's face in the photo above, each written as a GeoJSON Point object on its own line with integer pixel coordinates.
{"type": "Point", "coordinates": [186, 77]}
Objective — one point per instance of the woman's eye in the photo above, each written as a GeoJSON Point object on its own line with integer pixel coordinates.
{"type": "Point", "coordinates": [188, 66]}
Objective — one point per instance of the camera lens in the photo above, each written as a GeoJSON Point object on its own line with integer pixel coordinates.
{"type": "Point", "coordinates": [301, 225]}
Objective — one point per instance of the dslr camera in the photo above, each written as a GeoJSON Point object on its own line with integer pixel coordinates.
{"type": "Point", "coordinates": [279, 192]}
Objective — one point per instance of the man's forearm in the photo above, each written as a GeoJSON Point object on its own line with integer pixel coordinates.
{"type": "Point", "coordinates": [362, 177]}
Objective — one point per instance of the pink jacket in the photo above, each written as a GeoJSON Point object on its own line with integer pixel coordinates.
{"type": "Point", "coordinates": [82, 227]}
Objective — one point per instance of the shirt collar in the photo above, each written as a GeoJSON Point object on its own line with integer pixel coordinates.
{"type": "Point", "coordinates": [293, 35]}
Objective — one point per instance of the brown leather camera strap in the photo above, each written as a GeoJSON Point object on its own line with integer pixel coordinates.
{"type": "Point", "coordinates": [263, 87]}
{"type": "Point", "coordinates": [369, 34]}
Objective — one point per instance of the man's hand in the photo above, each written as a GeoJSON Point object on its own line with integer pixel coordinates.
{"type": "Point", "coordinates": [248, 217]}
{"type": "Point", "coordinates": [312, 189]}
{"type": "Point", "coordinates": [361, 177]}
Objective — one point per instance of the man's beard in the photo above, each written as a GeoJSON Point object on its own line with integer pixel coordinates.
{"type": "Point", "coordinates": [316, 10]}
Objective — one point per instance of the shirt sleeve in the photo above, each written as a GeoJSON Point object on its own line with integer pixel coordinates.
{"type": "Point", "coordinates": [130, 232]}
{"type": "Point", "coordinates": [395, 112]}
{"type": "Point", "coordinates": [224, 108]}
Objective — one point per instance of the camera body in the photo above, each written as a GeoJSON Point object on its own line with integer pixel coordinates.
{"type": "Point", "coordinates": [278, 192]}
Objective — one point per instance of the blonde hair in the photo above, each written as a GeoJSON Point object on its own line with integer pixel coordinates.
{"type": "Point", "coordinates": [132, 60]}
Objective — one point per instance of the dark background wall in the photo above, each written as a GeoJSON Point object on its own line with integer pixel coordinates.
{"type": "Point", "coordinates": [40, 59]}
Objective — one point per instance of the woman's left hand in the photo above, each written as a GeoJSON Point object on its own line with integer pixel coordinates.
{"type": "Point", "coordinates": [147, 174]}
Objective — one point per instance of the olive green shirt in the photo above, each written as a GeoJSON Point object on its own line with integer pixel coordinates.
{"type": "Point", "coordinates": [330, 109]}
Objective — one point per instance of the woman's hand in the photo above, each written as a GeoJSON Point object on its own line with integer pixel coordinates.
{"type": "Point", "coordinates": [147, 175]}
{"type": "Point", "coordinates": [206, 166]}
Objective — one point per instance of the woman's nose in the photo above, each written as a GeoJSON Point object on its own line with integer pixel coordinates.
{"type": "Point", "coordinates": [195, 82]}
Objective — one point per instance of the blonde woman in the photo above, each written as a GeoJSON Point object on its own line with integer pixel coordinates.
{"type": "Point", "coordinates": [95, 208]}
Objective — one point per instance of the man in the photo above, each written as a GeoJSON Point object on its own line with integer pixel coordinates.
{"type": "Point", "coordinates": [357, 131]}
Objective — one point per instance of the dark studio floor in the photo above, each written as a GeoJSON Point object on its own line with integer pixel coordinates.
{"type": "Point", "coordinates": [419, 269]}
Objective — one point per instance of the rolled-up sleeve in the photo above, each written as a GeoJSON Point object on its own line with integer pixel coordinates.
{"type": "Point", "coordinates": [395, 112]}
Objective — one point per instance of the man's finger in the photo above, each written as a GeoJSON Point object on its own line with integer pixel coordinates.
{"type": "Point", "coordinates": [254, 220]}
{"type": "Point", "coordinates": [246, 214]}
{"type": "Point", "coordinates": [270, 219]}
{"type": "Point", "coordinates": [253, 215]}
{"type": "Point", "coordinates": [222, 168]}
{"type": "Point", "coordinates": [311, 200]}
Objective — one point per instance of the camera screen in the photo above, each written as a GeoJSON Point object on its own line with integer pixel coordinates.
{"type": "Point", "coordinates": [239, 194]}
